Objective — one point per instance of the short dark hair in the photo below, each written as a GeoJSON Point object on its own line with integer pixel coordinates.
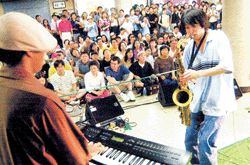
{"type": "Point", "coordinates": [148, 48]}
{"type": "Point", "coordinates": [115, 58]}
{"type": "Point", "coordinates": [58, 62]}
{"type": "Point", "coordinates": [114, 39]}
{"type": "Point", "coordinates": [84, 53]}
{"type": "Point", "coordinates": [11, 57]}
{"type": "Point", "coordinates": [99, 7]}
{"type": "Point", "coordinates": [96, 63]}
{"type": "Point", "coordinates": [176, 27]}
{"type": "Point", "coordinates": [63, 16]}
{"type": "Point", "coordinates": [164, 47]}
{"type": "Point", "coordinates": [126, 16]}
{"type": "Point", "coordinates": [37, 16]}
{"type": "Point", "coordinates": [196, 16]}
{"type": "Point", "coordinates": [105, 50]}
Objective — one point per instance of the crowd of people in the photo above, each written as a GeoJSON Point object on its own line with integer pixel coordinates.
{"type": "Point", "coordinates": [125, 46]}
{"type": "Point", "coordinates": [35, 126]}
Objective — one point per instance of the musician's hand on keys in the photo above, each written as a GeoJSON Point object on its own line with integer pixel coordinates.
{"type": "Point", "coordinates": [189, 75]}
{"type": "Point", "coordinates": [95, 148]}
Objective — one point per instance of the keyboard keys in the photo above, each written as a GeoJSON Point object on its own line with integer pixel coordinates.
{"type": "Point", "coordinates": [117, 155]}
{"type": "Point", "coordinates": [133, 160]}
{"type": "Point", "coordinates": [123, 157]}
{"type": "Point", "coordinates": [113, 153]}
{"type": "Point", "coordinates": [126, 158]}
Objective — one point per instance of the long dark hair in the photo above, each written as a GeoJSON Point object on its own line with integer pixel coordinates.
{"type": "Point", "coordinates": [126, 55]}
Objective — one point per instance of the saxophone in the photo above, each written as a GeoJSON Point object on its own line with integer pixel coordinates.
{"type": "Point", "coordinates": [182, 96]}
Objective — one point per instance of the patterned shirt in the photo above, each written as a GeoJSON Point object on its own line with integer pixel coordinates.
{"type": "Point", "coordinates": [213, 95]}
{"type": "Point", "coordinates": [104, 23]}
{"type": "Point", "coordinates": [63, 83]}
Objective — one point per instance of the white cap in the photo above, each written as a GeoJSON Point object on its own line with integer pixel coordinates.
{"type": "Point", "coordinates": [21, 32]}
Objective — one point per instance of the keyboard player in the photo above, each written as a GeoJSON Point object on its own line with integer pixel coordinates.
{"type": "Point", "coordinates": [35, 128]}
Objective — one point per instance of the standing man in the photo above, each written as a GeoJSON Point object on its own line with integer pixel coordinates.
{"type": "Point", "coordinates": [35, 128]}
{"type": "Point", "coordinates": [214, 89]}
{"type": "Point", "coordinates": [54, 27]}
{"type": "Point", "coordinates": [65, 29]}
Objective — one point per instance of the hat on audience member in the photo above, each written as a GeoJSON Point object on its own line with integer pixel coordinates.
{"type": "Point", "coordinates": [54, 55]}
{"type": "Point", "coordinates": [20, 32]}
{"type": "Point", "coordinates": [140, 53]}
{"type": "Point", "coordinates": [89, 17]}
{"type": "Point", "coordinates": [112, 33]}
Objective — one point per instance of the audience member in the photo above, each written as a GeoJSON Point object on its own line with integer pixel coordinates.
{"type": "Point", "coordinates": [117, 74]}
{"type": "Point", "coordinates": [114, 48]}
{"type": "Point", "coordinates": [75, 26]}
{"type": "Point", "coordinates": [145, 25]}
{"type": "Point", "coordinates": [106, 60]}
{"type": "Point", "coordinates": [165, 21]}
{"type": "Point", "coordinates": [136, 48]}
{"type": "Point", "coordinates": [149, 56]}
{"type": "Point", "coordinates": [129, 58]}
{"type": "Point", "coordinates": [134, 19]}
{"type": "Point", "coordinates": [65, 29]}
{"type": "Point", "coordinates": [64, 82]}
{"type": "Point", "coordinates": [55, 57]}
{"type": "Point", "coordinates": [140, 69]}
{"type": "Point", "coordinates": [82, 68]}
{"type": "Point", "coordinates": [122, 50]}
{"type": "Point", "coordinates": [177, 33]}
{"type": "Point", "coordinates": [127, 25]}
{"type": "Point", "coordinates": [94, 80]}
{"type": "Point", "coordinates": [104, 25]}
{"type": "Point", "coordinates": [165, 63]}
{"type": "Point", "coordinates": [91, 28]}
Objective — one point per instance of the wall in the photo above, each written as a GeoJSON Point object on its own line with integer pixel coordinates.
{"type": "Point", "coordinates": [31, 8]}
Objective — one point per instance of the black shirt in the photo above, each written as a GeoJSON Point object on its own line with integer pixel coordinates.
{"type": "Point", "coordinates": [152, 17]}
{"type": "Point", "coordinates": [104, 64]}
{"type": "Point", "coordinates": [136, 69]}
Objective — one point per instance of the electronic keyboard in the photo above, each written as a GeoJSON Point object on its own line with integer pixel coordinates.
{"type": "Point", "coordinates": [128, 150]}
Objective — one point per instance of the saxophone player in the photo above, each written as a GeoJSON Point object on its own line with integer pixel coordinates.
{"type": "Point", "coordinates": [212, 67]}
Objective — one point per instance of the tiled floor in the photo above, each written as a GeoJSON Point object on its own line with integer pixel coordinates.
{"type": "Point", "coordinates": [163, 125]}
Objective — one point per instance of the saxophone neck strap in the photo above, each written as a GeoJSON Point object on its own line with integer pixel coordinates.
{"type": "Point", "coordinates": [197, 50]}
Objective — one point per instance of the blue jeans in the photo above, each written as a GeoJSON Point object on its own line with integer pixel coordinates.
{"type": "Point", "coordinates": [201, 137]}
{"type": "Point", "coordinates": [163, 30]}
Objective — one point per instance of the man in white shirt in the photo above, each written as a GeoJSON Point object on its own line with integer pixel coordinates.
{"type": "Point", "coordinates": [177, 33]}
{"type": "Point", "coordinates": [173, 45]}
{"type": "Point", "coordinates": [64, 82]}
{"type": "Point", "coordinates": [127, 25]}
{"type": "Point", "coordinates": [54, 27]}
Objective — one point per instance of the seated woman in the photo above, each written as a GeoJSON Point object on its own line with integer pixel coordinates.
{"type": "Point", "coordinates": [122, 50]}
{"type": "Point", "coordinates": [165, 63]}
{"type": "Point", "coordinates": [43, 80]}
{"type": "Point", "coordinates": [128, 59]}
{"type": "Point", "coordinates": [95, 79]}
{"type": "Point", "coordinates": [136, 48]}
{"type": "Point", "coordinates": [75, 57]}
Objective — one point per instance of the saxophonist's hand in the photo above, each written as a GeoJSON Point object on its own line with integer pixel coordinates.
{"type": "Point", "coordinates": [189, 75]}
